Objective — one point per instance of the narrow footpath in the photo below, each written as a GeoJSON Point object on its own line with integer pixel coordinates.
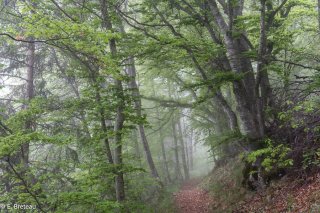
{"type": "Point", "coordinates": [192, 199]}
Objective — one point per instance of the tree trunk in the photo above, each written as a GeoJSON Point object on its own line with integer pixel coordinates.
{"type": "Point", "coordinates": [247, 100]}
{"type": "Point", "coordinates": [104, 127]}
{"type": "Point", "coordinates": [136, 146]}
{"type": "Point", "coordinates": [120, 118]}
{"type": "Point", "coordinates": [163, 148]}
{"type": "Point", "coordinates": [262, 86]}
{"type": "Point", "coordinates": [319, 16]}
{"type": "Point", "coordinates": [118, 127]}
{"type": "Point", "coordinates": [131, 72]}
{"type": "Point", "coordinates": [187, 151]}
{"type": "Point", "coordinates": [30, 96]}
{"type": "Point", "coordinates": [176, 151]}
{"type": "Point", "coordinates": [191, 150]}
{"type": "Point", "coordinates": [232, 118]}
{"type": "Point", "coordinates": [137, 105]}
{"type": "Point", "coordinates": [183, 152]}
{"type": "Point", "coordinates": [163, 151]}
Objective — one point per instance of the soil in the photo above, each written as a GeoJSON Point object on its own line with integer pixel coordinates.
{"type": "Point", "coordinates": [192, 199]}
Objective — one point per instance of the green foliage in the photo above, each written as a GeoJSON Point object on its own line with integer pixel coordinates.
{"type": "Point", "coordinates": [179, 53]}
{"type": "Point", "coordinates": [224, 184]}
{"type": "Point", "coordinates": [216, 140]}
{"type": "Point", "coordinates": [311, 158]}
{"type": "Point", "coordinates": [289, 117]}
{"type": "Point", "coordinates": [11, 143]}
{"type": "Point", "coordinates": [273, 157]}
{"type": "Point", "coordinates": [84, 202]}
{"type": "Point", "coordinates": [218, 80]}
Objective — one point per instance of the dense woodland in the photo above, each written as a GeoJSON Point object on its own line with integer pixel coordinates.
{"type": "Point", "coordinates": [110, 105]}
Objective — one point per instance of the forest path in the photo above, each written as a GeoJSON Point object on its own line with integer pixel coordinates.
{"type": "Point", "coordinates": [192, 199]}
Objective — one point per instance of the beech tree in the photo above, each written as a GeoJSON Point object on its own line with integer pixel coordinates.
{"type": "Point", "coordinates": [107, 106]}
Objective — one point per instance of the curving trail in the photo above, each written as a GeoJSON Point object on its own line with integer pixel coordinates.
{"type": "Point", "coordinates": [192, 199]}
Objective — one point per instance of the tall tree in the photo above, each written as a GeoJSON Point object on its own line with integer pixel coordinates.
{"type": "Point", "coordinates": [183, 151]}
{"type": "Point", "coordinates": [176, 148]}
{"type": "Point", "coordinates": [120, 117]}
{"type": "Point", "coordinates": [131, 70]}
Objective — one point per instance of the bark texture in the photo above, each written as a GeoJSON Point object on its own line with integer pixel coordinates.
{"type": "Point", "coordinates": [176, 151]}
{"type": "Point", "coordinates": [131, 71]}
{"type": "Point", "coordinates": [183, 153]}
{"type": "Point", "coordinates": [120, 117]}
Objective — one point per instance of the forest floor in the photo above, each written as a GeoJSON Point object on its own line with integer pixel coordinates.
{"type": "Point", "coordinates": [293, 194]}
{"type": "Point", "coordinates": [287, 195]}
{"type": "Point", "coordinates": [192, 199]}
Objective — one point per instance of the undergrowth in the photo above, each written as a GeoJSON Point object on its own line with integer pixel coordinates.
{"type": "Point", "coordinates": [166, 204]}
{"type": "Point", "coordinates": [224, 185]}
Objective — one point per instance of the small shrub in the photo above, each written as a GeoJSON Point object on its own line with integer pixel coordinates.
{"type": "Point", "coordinates": [273, 157]}
{"type": "Point", "coordinates": [311, 159]}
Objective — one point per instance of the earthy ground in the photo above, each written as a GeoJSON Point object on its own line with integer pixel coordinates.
{"type": "Point", "coordinates": [192, 199]}
{"type": "Point", "coordinates": [292, 195]}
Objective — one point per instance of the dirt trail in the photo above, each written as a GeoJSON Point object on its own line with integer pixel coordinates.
{"type": "Point", "coordinates": [192, 199]}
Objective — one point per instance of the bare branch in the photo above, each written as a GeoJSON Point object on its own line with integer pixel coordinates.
{"type": "Point", "coordinates": [7, 129]}
{"type": "Point", "coordinates": [63, 11]}
{"type": "Point", "coordinates": [31, 41]}
{"type": "Point", "coordinates": [34, 196]}
{"type": "Point", "coordinates": [297, 64]}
